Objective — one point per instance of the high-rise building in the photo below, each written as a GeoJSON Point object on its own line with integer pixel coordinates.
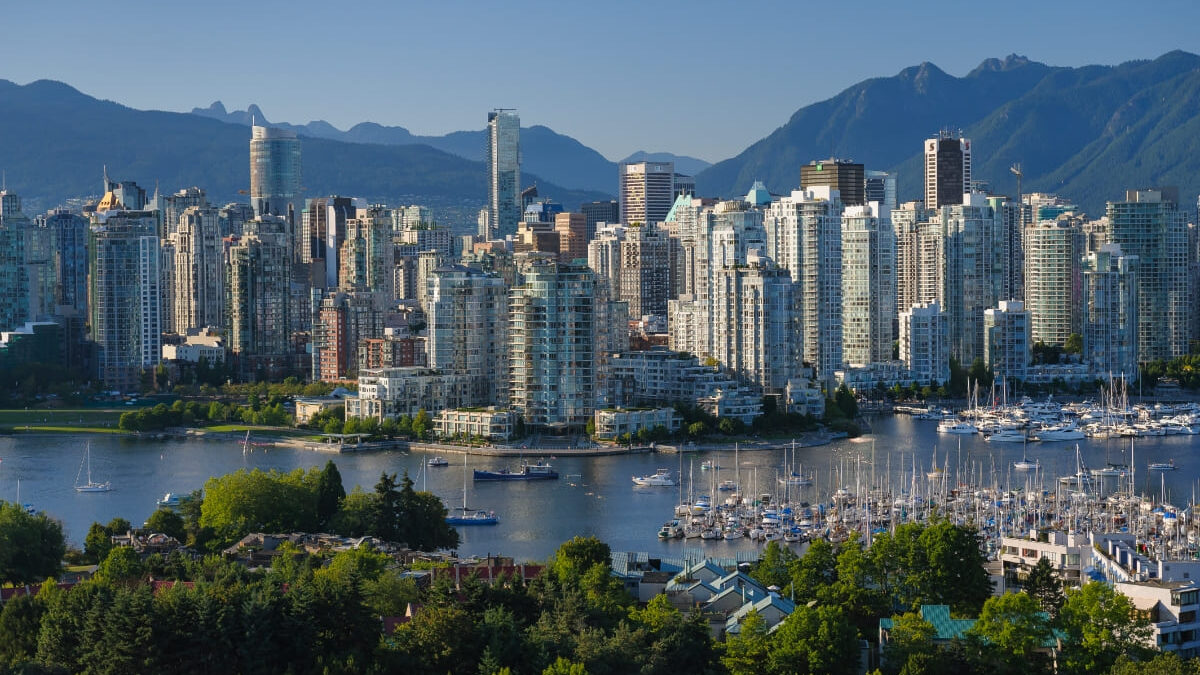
{"type": "Point", "coordinates": [868, 285]}
{"type": "Point", "coordinates": [257, 276]}
{"type": "Point", "coordinates": [367, 255]}
{"type": "Point", "coordinates": [1150, 225]}
{"type": "Point", "coordinates": [321, 233]}
{"type": "Point", "coordinates": [468, 327]}
{"type": "Point", "coordinates": [600, 212]}
{"type": "Point", "coordinates": [1110, 312]}
{"type": "Point", "coordinates": [647, 191]}
{"type": "Point", "coordinates": [645, 271]}
{"type": "Point", "coordinates": [842, 175]}
{"type": "Point", "coordinates": [947, 170]}
{"type": "Point", "coordinates": [963, 272]}
{"type": "Point", "coordinates": [67, 241]}
{"type": "Point", "coordinates": [1053, 249]}
{"type": "Point", "coordinates": [345, 319]}
{"type": "Point", "coordinates": [174, 206]}
{"type": "Point", "coordinates": [504, 172]}
{"type": "Point", "coordinates": [572, 236]}
{"type": "Point", "coordinates": [234, 217]}
{"type": "Point", "coordinates": [1006, 340]}
{"type": "Point", "coordinates": [880, 186]}
{"type": "Point", "coordinates": [752, 322]}
{"type": "Point", "coordinates": [804, 236]}
{"type": "Point", "coordinates": [14, 275]}
{"type": "Point", "coordinates": [604, 257]}
{"type": "Point", "coordinates": [124, 292]}
{"type": "Point", "coordinates": [906, 225]}
{"type": "Point", "coordinates": [552, 355]}
{"type": "Point", "coordinates": [1008, 249]}
{"type": "Point", "coordinates": [274, 171]}
{"type": "Point", "coordinates": [924, 343]}
{"type": "Point", "coordinates": [198, 283]}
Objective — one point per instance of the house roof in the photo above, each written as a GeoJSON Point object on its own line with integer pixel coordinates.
{"type": "Point", "coordinates": [939, 617]}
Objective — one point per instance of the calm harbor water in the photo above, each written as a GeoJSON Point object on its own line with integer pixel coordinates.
{"type": "Point", "coordinates": [594, 496]}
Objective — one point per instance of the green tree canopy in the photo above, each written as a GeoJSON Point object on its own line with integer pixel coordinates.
{"type": "Point", "coordinates": [31, 546]}
{"type": "Point", "coordinates": [1100, 624]}
{"type": "Point", "coordinates": [1015, 624]}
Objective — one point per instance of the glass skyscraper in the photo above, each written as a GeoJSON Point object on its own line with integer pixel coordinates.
{"type": "Point", "coordinates": [274, 171]}
{"type": "Point", "coordinates": [504, 172]}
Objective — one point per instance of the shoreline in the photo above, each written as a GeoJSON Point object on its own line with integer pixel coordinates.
{"type": "Point", "coordinates": [803, 440]}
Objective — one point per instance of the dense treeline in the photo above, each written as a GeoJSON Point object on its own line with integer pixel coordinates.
{"type": "Point", "coordinates": [193, 413]}
{"type": "Point", "coordinates": [311, 614]}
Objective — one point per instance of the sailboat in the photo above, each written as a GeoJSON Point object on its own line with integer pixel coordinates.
{"type": "Point", "coordinates": [90, 485]}
{"type": "Point", "coordinates": [471, 516]}
{"type": "Point", "coordinates": [1025, 464]}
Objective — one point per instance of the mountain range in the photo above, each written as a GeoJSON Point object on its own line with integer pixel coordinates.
{"type": "Point", "coordinates": [57, 141]}
{"type": "Point", "coordinates": [1086, 133]}
{"type": "Point", "coordinates": [544, 152]}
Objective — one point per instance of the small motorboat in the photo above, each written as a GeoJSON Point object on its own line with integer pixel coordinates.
{"type": "Point", "coordinates": [438, 461]}
{"type": "Point", "coordinates": [1163, 466]}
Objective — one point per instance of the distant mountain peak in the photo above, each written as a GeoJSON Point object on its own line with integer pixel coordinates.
{"type": "Point", "coordinates": [217, 108]}
{"type": "Point", "coordinates": [994, 65]}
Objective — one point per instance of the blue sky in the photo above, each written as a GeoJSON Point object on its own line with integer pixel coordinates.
{"type": "Point", "coordinates": [702, 78]}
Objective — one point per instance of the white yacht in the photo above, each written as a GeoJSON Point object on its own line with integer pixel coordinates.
{"type": "Point", "coordinates": [661, 478]}
{"type": "Point", "coordinates": [956, 427]}
{"type": "Point", "coordinates": [1006, 436]}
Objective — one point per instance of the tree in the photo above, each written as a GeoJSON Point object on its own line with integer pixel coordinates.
{"type": "Point", "coordinates": [746, 651]}
{"type": "Point", "coordinates": [386, 521]}
{"type": "Point", "coordinates": [256, 501]}
{"type": "Point", "coordinates": [1014, 624]}
{"type": "Point", "coordinates": [1166, 663]}
{"type": "Point", "coordinates": [121, 564]}
{"type": "Point", "coordinates": [578, 555]}
{"type": "Point", "coordinates": [910, 642]}
{"type": "Point", "coordinates": [167, 522]}
{"type": "Point", "coordinates": [97, 543]}
{"type": "Point", "coordinates": [1043, 585]}
{"type": "Point", "coordinates": [20, 623]}
{"type": "Point", "coordinates": [31, 546]}
{"type": "Point", "coordinates": [421, 425]}
{"type": "Point", "coordinates": [590, 427]}
{"type": "Point", "coordinates": [562, 666]}
{"type": "Point", "coordinates": [330, 492]}
{"type": "Point", "coordinates": [1100, 624]}
{"type": "Point", "coordinates": [355, 516]}
{"type": "Point", "coordinates": [423, 519]}
{"type": "Point", "coordinates": [814, 640]}
{"type": "Point", "coordinates": [815, 571]}
{"type": "Point", "coordinates": [696, 429]}
{"type": "Point", "coordinates": [726, 426]}
{"type": "Point", "coordinates": [1074, 344]}
{"type": "Point", "coordinates": [772, 569]}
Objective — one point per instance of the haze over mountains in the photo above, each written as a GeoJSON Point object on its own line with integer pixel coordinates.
{"type": "Point", "coordinates": [1088, 133]}
{"type": "Point", "coordinates": [544, 151]}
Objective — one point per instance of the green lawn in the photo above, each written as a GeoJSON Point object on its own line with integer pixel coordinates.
{"type": "Point", "coordinates": [41, 428]}
{"type": "Point", "coordinates": [256, 430]}
{"type": "Point", "coordinates": [60, 418]}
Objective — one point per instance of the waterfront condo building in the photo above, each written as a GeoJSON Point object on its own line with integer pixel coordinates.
{"type": "Point", "coordinates": [257, 275]}
{"type": "Point", "coordinates": [197, 293]}
{"type": "Point", "coordinates": [503, 158]}
{"type": "Point", "coordinates": [1006, 340]}
{"type": "Point", "coordinates": [14, 277]}
{"type": "Point", "coordinates": [752, 322]}
{"type": "Point", "coordinates": [924, 343]}
{"type": "Point", "coordinates": [868, 285]}
{"type": "Point", "coordinates": [124, 296]}
{"type": "Point", "coordinates": [947, 170]}
{"type": "Point", "coordinates": [804, 236]}
{"type": "Point", "coordinates": [1110, 313]}
{"type": "Point", "coordinates": [274, 171]}
{"type": "Point", "coordinates": [551, 339]}
{"type": "Point", "coordinates": [647, 191]}
{"type": "Point", "coordinates": [1150, 225]}
{"type": "Point", "coordinates": [1053, 249]}
{"type": "Point", "coordinates": [468, 327]}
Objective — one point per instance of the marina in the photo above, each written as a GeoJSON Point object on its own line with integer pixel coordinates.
{"type": "Point", "coordinates": [864, 484]}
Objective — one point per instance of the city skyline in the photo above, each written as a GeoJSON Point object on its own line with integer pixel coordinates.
{"type": "Point", "coordinates": [683, 120]}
